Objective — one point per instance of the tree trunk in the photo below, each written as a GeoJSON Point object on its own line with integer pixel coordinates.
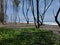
{"type": "Point", "coordinates": [32, 9]}
{"type": "Point", "coordinates": [56, 17]}
{"type": "Point", "coordinates": [1, 12]}
{"type": "Point", "coordinates": [27, 22]}
{"type": "Point", "coordinates": [37, 3]}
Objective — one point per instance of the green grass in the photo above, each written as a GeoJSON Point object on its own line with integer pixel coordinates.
{"type": "Point", "coordinates": [27, 36]}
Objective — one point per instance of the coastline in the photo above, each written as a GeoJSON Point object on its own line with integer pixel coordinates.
{"type": "Point", "coordinates": [46, 23]}
{"type": "Point", "coordinates": [50, 23]}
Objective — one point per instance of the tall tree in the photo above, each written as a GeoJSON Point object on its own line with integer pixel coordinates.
{"type": "Point", "coordinates": [37, 5]}
{"type": "Point", "coordinates": [1, 12]}
{"type": "Point", "coordinates": [5, 10]}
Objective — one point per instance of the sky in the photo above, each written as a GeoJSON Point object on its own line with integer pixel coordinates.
{"type": "Point", "coordinates": [49, 17]}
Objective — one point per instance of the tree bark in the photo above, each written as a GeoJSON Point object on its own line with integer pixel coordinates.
{"type": "Point", "coordinates": [1, 12]}
{"type": "Point", "coordinates": [56, 17]}
{"type": "Point", "coordinates": [37, 3]}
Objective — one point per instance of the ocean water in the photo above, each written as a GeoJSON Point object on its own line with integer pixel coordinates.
{"type": "Point", "coordinates": [47, 23]}
{"type": "Point", "coordinates": [50, 23]}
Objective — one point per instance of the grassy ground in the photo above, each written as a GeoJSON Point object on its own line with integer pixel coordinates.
{"type": "Point", "coordinates": [28, 36]}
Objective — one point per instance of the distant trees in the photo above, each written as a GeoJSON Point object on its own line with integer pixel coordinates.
{"type": "Point", "coordinates": [27, 4]}
{"type": "Point", "coordinates": [1, 12]}
{"type": "Point", "coordinates": [15, 9]}
{"type": "Point", "coordinates": [5, 10]}
{"type": "Point", "coordinates": [30, 3]}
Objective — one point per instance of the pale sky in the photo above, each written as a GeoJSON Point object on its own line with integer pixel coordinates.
{"type": "Point", "coordinates": [48, 16]}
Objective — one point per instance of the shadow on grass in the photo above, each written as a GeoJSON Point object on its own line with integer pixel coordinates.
{"type": "Point", "coordinates": [31, 38]}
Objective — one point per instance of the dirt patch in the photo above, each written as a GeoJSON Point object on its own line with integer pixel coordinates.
{"type": "Point", "coordinates": [53, 28]}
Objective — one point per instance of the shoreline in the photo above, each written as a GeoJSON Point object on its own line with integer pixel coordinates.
{"type": "Point", "coordinates": [45, 23]}
{"type": "Point", "coordinates": [53, 28]}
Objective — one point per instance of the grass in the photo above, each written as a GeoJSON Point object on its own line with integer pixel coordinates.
{"type": "Point", "coordinates": [27, 36]}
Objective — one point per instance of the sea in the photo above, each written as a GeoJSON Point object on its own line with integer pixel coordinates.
{"type": "Point", "coordinates": [47, 23]}
{"type": "Point", "coordinates": [50, 23]}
